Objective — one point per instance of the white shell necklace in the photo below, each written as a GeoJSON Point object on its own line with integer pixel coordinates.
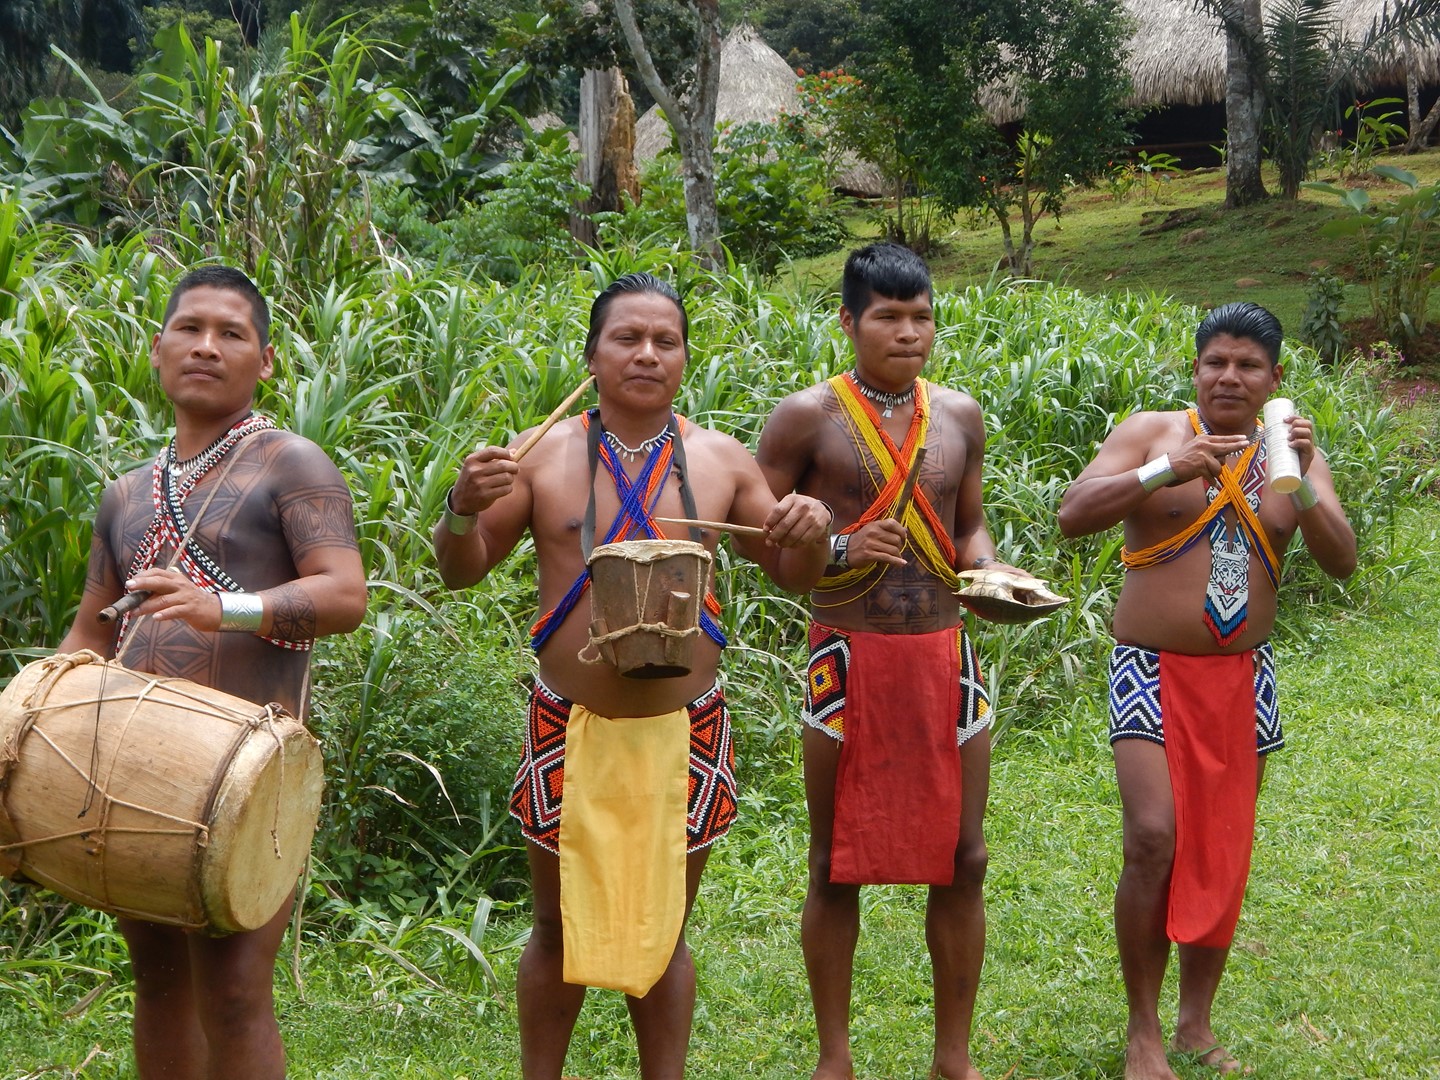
{"type": "Point", "coordinates": [883, 398]}
{"type": "Point", "coordinates": [634, 453]}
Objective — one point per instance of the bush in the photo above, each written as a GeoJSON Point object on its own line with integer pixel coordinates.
{"type": "Point", "coordinates": [1320, 328]}
{"type": "Point", "coordinates": [1399, 240]}
{"type": "Point", "coordinates": [421, 728]}
{"type": "Point", "coordinates": [524, 221]}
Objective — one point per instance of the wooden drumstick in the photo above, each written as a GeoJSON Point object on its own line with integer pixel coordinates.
{"type": "Point", "coordinates": [129, 602]}
{"type": "Point", "coordinates": [551, 420]}
{"type": "Point", "coordinates": [718, 526]}
{"type": "Point", "coordinates": [908, 488]}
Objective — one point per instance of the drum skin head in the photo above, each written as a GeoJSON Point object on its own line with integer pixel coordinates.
{"type": "Point", "coordinates": [261, 826]}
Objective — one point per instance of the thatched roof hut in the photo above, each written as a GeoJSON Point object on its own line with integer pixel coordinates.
{"type": "Point", "coordinates": [756, 84]}
{"type": "Point", "coordinates": [1177, 55]}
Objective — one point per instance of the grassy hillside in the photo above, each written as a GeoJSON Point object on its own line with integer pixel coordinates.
{"type": "Point", "coordinates": [1171, 237]}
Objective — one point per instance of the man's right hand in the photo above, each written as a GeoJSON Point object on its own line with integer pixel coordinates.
{"type": "Point", "coordinates": [486, 476]}
{"type": "Point", "coordinates": [1204, 456]}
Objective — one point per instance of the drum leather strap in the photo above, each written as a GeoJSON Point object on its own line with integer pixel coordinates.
{"type": "Point", "coordinates": [633, 514]}
{"type": "Point", "coordinates": [594, 431]}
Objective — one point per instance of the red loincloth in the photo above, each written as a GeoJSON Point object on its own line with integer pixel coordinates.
{"type": "Point", "coordinates": [1208, 706]}
{"type": "Point", "coordinates": [897, 790]}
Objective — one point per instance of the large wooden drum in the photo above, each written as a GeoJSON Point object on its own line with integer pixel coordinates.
{"type": "Point", "coordinates": [153, 797]}
{"type": "Point", "coordinates": [645, 598]}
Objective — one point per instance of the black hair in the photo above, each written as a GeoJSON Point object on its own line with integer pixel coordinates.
{"type": "Point", "coordinates": [230, 279]}
{"type": "Point", "coordinates": [1242, 319]}
{"type": "Point", "coordinates": [889, 269]}
{"type": "Point", "coordinates": [639, 282]}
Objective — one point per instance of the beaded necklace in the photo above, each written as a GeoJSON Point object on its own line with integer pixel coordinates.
{"type": "Point", "coordinates": [634, 453]}
{"type": "Point", "coordinates": [883, 398]}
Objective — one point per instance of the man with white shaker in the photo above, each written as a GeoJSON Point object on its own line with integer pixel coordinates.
{"type": "Point", "coordinates": [1193, 709]}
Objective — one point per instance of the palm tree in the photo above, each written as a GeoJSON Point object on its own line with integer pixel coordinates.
{"type": "Point", "coordinates": [1292, 67]}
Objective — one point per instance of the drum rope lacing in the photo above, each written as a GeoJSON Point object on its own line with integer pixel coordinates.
{"type": "Point", "coordinates": [41, 692]}
{"type": "Point", "coordinates": [663, 629]}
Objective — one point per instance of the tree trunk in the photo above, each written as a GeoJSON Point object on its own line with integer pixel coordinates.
{"type": "Point", "coordinates": [1244, 104]}
{"type": "Point", "coordinates": [1420, 129]}
{"type": "Point", "coordinates": [1420, 135]}
{"type": "Point", "coordinates": [693, 119]}
{"type": "Point", "coordinates": [697, 172]}
{"type": "Point", "coordinates": [1412, 101]}
{"type": "Point", "coordinates": [607, 149]}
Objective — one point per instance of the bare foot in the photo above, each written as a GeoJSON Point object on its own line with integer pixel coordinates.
{"type": "Point", "coordinates": [967, 1072]}
{"type": "Point", "coordinates": [1215, 1056]}
{"type": "Point", "coordinates": [1145, 1060]}
{"type": "Point", "coordinates": [827, 1071]}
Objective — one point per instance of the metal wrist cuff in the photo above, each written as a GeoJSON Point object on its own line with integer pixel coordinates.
{"type": "Point", "coordinates": [1155, 474]}
{"type": "Point", "coordinates": [1304, 497]}
{"type": "Point", "coordinates": [243, 611]}
{"type": "Point", "coordinates": [459, 524]}
{"type": "Point", "coordinates": [840, 550]}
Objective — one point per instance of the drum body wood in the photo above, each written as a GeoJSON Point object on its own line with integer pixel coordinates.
{"type": "Point", "coordinates": [645, 598]}
{"type": "Point", "coordinates": [153, 797]}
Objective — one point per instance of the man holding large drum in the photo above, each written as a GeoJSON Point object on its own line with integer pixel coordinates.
{"type": "Point", "coordinates": [639, 749]}
{"type": "Point", "coordinates": [241, 540]}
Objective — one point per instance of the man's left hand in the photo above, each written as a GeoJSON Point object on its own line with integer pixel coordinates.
{"type": "Point", "coordinates": [797, 520]}
{"type": "Point", "coordinates": [1302, 440]}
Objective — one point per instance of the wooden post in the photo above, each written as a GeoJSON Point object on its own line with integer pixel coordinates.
{"type": "Point", "coordinates": [607, 147]}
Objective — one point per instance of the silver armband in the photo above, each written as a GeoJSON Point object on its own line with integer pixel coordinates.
{"type": "Point", "coordinates": [243, 611]}
{"type": "Point", "coordinates": [1155, 474]}
{"type": "Point", "coordinates": [1304, 496]}
{"type": "Point", "coordinates": [840, 550]}
{"type": "Point", "coordinates": [459, 524]}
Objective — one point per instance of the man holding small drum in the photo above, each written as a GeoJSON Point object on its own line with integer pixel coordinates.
{"type": "Point", "coordinates": [239, 539]}
{"type": "Point", "coordinates": [624, 782]}
{"type": "Point", "coordinates": [1192, 678]}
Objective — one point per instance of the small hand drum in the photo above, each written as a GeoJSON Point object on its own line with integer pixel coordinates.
{"type": "Point", "coordinates": [645, 598]}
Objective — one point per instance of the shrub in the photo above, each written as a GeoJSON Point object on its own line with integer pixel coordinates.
{"type": "Point", "coordinates": [1320, 328]}
{"type": "Point", "coordinates": [1398, 252]}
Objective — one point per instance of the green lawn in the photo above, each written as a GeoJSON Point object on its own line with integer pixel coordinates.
{"type": "Point", "coordinates": [1333, 974]}
{"type": "Point", "coordinates": [1172, 237]}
